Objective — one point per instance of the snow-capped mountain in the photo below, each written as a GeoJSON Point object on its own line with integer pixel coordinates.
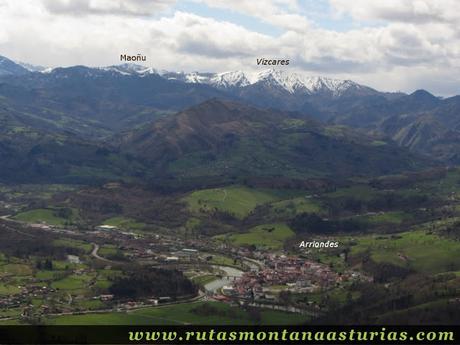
{"type": "Point", "coordinates": [293, 83]}
{"type": "Point", "coordinates": [130, 69]}
{"type": "Point", "coordinates": [224, 80]}
{"type": "Point", "coordinates": [32, 68]}
{"type": "Point", "coordinates": [230, 79]}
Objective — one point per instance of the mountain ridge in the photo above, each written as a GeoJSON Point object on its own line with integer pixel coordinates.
{"type": "Point", "coordinates": [97, 102]}
{"type": "Point", "coordinates": [290, 81]}
{"type": "Point", "coordinates": [225, 138]}
{"type": "Point", "coordinates": [9, 67]}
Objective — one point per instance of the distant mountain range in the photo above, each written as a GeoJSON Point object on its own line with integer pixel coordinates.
{"type": "Point", "coordinates": [134, 106]}
{"type": "Point", "coordinates": [293, 83]}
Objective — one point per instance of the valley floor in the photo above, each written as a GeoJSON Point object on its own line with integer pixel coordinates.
{"type": "Point", "coordinates": [235, 250]}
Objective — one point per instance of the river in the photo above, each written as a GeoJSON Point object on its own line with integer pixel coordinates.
{"type": "Point", "coordinates": [219, 283]}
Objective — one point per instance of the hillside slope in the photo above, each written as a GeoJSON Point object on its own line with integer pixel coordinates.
{"type": "Point", "coordinates": [218, 138]}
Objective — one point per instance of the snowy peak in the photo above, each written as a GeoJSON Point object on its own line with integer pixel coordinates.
{"type": "Point", "coordinates": [130, 69]}
{"type": "Point", "coordinates": [290, 82]}
{"type": "Point", "coordinates": [337, 86]}
{"type": "Point", "coordinates": [32, 68]}
{"type": "Point", "coordinates": [198, 78]}
{"type": "Point", "coordinates": [230, 79]}
{"type": "Point", "coordinates": [295, 82]}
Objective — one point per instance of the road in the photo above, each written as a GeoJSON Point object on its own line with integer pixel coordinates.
{"type": "Point", "coordinates": [96, 255]}
{"type": "Point", "coordinates": [253, 264]}
{"type": "Point", "coordinates": [9, 220]}
{"type": "Point", "coordinates": [195, 299]}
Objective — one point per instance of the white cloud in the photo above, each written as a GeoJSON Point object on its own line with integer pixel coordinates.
{"type": "Point", "coordinates": [415, 11]}
{"type": "Point", "coordinates": [182, 41]}
{"type": "Point", "coordinates": [280, 13]}
{"type": "Point", "coordinates": [206, 37]}
{"type": "Point", "coordinates": [124, 7]}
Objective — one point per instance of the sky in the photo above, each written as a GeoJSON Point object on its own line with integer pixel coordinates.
{"type": "Point", "coordinates": [391, 45]}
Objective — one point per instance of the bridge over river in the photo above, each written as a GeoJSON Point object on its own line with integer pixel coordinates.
{"type": "Point", "coordinates": [230, 273]}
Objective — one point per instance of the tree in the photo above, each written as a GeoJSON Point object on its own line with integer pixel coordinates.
{"type": "Point", "coordinates": [64, 212]}
{"type": "Point", "coordinates": [48, 265]}
{"type": "Point", "coordinates": [346, 251]}
{"type": "Point", "coordinates": [285, 297]}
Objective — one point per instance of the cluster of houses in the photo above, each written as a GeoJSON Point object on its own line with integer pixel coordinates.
{"type": "Point", "coordinates": [10, 301]}
{"type": "Point", "coordinates": [286, 273]}
{"type": "Point", "coordinates": [16, 300]}
{"type": "Point", "coordinates": [293, 273]}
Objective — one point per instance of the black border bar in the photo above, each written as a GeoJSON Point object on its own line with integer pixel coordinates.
{"type": "Point", "coordinates": [306, 334]}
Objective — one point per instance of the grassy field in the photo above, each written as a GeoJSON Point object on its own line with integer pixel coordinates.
{"type": "Point", "coordinates": [193, 223]}
{"type": "Point", "coordinates": [239, 201]}
{"type": "Point", "coordinates": [292, 207]}
{"type": "Point", "coordinates": [103, 284]}
{"type": "Point", "coordinates": [419, 250]}
{"type": "Point", "coordinates": [72, 282]}
{"type": "Point", "coordinates": [400, 316]}
{"type": "Point", "coordinates": [46, 215]}
{"type": "Point", "coordinates": [125, 223]}
{"type": "Point", "coordinates": [269, 236]}
{"type": "Point", "coordinates": [9, 322]}
{"type": "Point", "coordinates": [35, 191]}
{"type": "Point", "coordinates": [395, 217]}
{"type": "Point", "coordinates": [10, 312]}
{"type": "Point", "coordinates": [15, 270]}
{"type": "Point", "coordinates": [45, 275]}
{"type": "Point", "coordinates": [336, 296]}
{"type": "Point", "coordinates": [109, 274]}
{"type": "Point", "coordinates": [445, 186]}
{"type": "Point", "coordinates": [89, 304]}
{"type": "Point", "coordinates": [203, 280]}
{"type": "Point", "coordinates": [8, 290]}
{"type": "Point", "coordinates": [179, 314]}
{"type": "Point", "coordinates": [363, 192]}
{"type": "Point", "coordinates": [107, 250]}
{"type": "Point", "coordinates": [335, 261]}
{"type": "Point", "coordinates": [86, 247]}
{"type": "Point", "coordinates": [222, 260]}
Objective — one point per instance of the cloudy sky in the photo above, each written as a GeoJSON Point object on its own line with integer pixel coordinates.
{"type": "Point", "coordinates": [387, 44]}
